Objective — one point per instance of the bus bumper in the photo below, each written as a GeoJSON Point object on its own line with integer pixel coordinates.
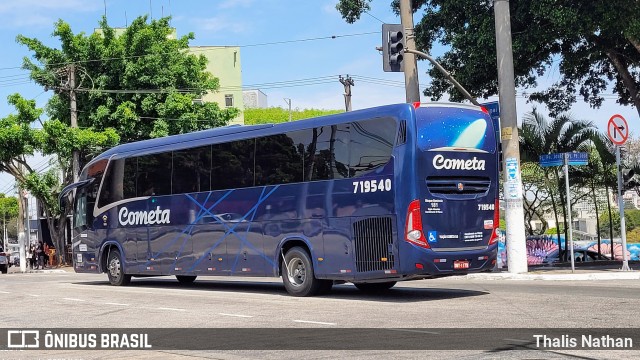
{"type": "Point", "coordinates": [434, 263]}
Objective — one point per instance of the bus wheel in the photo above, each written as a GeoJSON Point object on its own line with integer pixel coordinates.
{"type": "Point", "coordinates": [373, 288]}
{"type": "Point", "coordinates": [297, 274]}
{"type": "Point", "coordinates": [115, 271]}
{"type": "Point", "coordinates": [186, 279]}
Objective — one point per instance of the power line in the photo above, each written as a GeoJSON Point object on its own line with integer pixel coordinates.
{"type": "Point", "coordinates": [368, 13]}
{"type": "Point", "coordinates": [195, 49]}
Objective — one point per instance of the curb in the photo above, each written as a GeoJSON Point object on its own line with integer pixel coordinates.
{"type": "Point", "coordinates": [626, 275]}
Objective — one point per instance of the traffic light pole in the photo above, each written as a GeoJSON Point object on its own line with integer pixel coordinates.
{"type": "Point", "coordinates": [623, 228]}
{"type": "Point", "coordinates": [446, 74]}
{"type": "Point", "coordinates": [410, 64]}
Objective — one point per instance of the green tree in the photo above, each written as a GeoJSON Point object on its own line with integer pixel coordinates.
{"type": "Point", "coordinates": [562, 134]}
{"type": "Point", "coordinates": [141, 82]}
{"type": "Point", "coordinates": [537, 199]}
{"type": "Point", "coordinates": [18, 139]}
{"type": "Point", "coordinates": [598, 175]}
{"type": "Point", "coordinates": [274, 115]}
{"type": "Point", "coordinates": [593, 44]}
{"type": "Point", "coordinates": [8, 211]}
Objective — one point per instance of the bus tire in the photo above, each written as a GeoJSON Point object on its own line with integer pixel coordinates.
{"type": "Point", "coordinates": [372, 288]}
{"type": "Point", "coordinates": [115, 269]}
{"type": "Point", "coordinates": [297, 273]}
{"type": "Point", "coordinates": [186, 279]}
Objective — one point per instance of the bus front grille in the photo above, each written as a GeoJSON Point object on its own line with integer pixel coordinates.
{"type": "Point", "coordinates": [468, 185]}
{"type": "Point", "coordinates": [373, 239]}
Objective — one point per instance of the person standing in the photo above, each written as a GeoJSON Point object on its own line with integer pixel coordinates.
{"type": "Point", "coordinates": [40, 255]}
{"type": "Point", "coordinates": [30, 257]}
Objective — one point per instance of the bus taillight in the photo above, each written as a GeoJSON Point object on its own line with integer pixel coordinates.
{"type": "Point", "coordinates": [496, 223]}
{"type": "Point", "coordinates": [413, 229]}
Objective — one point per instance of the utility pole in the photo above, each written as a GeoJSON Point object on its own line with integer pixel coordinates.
{"type": "Point", "coordinates": [348, 83]}
{"type": "Point", "coordinates": [516, 244]}
{"type": "Point", "coordinates": [288, 101]}
{"type": "Point", "coordinates": [74, 117]}
{"type": "Point", "coordinates": [410, 62]}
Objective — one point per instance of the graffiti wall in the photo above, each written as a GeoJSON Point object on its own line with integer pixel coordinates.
{"type": "Point", "coordinates": [544, 249]}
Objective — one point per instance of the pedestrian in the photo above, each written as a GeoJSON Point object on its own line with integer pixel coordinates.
{"type": "Point", "coordinates": [40, 255]}
{"type": "Point", "coordinates": [32, 256]}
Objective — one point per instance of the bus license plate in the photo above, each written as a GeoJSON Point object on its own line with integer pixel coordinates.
{"type": "Point", "coordinates": [460, 264]}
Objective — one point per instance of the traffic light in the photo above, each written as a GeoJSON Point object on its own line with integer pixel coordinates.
{"type": "Point", "coordinates": [628, 182]}
{"type": "Point", "coordinates": [393, 43]}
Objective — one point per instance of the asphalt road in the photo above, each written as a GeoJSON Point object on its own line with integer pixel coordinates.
{"type": "Point", "coordinates": [69, 300]}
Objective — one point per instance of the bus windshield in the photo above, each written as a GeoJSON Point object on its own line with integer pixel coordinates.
{"type": "Point", "coordinates": [441, 128]}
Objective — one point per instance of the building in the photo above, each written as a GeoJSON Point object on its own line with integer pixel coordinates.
{"type": "Point", "coordinates": [254, 99]}
{"type": "Point", "coordinates": [224, 63]}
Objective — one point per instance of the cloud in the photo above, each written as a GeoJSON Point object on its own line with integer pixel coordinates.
{"type": "Point", "coordinates": [32, 20]}
{"type": "Point", "coordinates": [8, 7]}
{"type": "Point", "coordinates": [37, 13]}
{"type": "Point", "coordinates": [222, 24]}
{"type": "Point", "coordinates": [330, 8]}
{"type": "Point", "coordinates": [230, 4]}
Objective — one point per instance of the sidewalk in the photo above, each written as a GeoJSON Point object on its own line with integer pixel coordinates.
{"type": "Point", "coordinates": [53, 270]}
{"type": "Point", "coordinates": [608, 270]}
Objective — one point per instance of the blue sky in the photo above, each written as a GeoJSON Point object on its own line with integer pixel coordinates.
{"type": "Point", "coordinates": [246, 23]}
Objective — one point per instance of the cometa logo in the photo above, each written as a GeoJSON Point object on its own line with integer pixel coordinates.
{"type": "Point", "coordinates": [157, 216]}
{"type": "Point", "coordinates": [440, 162]}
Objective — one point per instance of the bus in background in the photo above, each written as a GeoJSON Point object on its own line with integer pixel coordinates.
{"type": "Point", "coordinates": [371, 197]}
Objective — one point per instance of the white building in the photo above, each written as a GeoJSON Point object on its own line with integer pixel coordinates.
{"type": "Point", "coordinates": [254, 99]}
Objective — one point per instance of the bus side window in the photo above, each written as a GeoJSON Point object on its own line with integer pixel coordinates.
{"type": "Point", "coordinates": [119, 182]}
{"type": "Point", "coordinates": [371, 145]}
{"type": "Point", "coordinates": [232, 164]}
{"type": "Point", "coordinates": [191, 170]}
{"type": "Point", "coordinates": [328, 153]}
{"type": "Point", "coordinates": [153, 176]}
{"type": "Point", "coordinates": [278, 160]}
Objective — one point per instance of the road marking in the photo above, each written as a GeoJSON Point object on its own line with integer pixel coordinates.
{"type": "Point", "coordinates": [174, 309]}
{"type": "Point", "coordinates": [72, 299]}
{"type": "Point", "coordinates": [236, 315]}
{"type": "Point", "coordinates": [117, 304]}
{"type": "Point", "coordinates": [314, 322]}
{"type": "Point", "coordinates": [519, 341]}
{"type": "Point", "coordinates": [4, 292]}
{"type": "Point", "coordinates": [34, 295]}
{"type": "Point", "coordinates": [416, 331]}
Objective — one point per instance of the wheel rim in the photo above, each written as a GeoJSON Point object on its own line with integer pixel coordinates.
{"type": "Point", "coordinates": [296, 272]}
{"type": "Point", "coordinates": [114, 267]}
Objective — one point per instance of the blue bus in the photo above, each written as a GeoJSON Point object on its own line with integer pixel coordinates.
{"type": "Point", "coordinates": [371, 197]}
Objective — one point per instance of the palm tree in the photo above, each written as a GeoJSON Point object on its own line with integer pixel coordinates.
{"type": "Point", "coordinates": [562, 134]}
{"type": "Point", "coordinates": [598, 174]}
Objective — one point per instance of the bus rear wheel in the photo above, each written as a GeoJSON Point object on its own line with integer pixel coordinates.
{"type": "Point", "coordinates": [115, 269]}
{"type": "Point", "coordinates": [186, 279]}
{"type": "Point", "coordinates": [298, 276]}
{"type": "Point", "coordinates": [373, 288]}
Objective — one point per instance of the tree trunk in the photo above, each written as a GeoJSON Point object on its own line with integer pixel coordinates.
{"type": "Point", "coordinates": [555, 215]}
{"type": "Point", "coordinates": [610, 219]}
{"type": "Point", "coordinates": [595, 204]}
{"type": "Point", "coordinates": [564, 216]}
{"type": "Point", "coordinates": [627, 79]}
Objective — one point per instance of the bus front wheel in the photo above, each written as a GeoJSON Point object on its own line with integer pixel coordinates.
{"type": "Point", "coordinates": [298, 276]}
{"type": "Point", "coordinates": [115, 269]}
{"type": "Point", "coordinates": [373, 288]}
